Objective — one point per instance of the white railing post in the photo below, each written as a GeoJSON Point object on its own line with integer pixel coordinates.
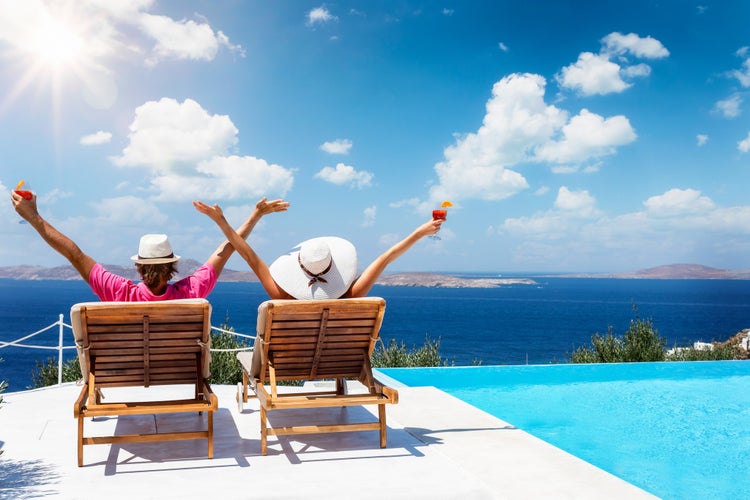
{"type": "Point", "coordinates": [60, 351]}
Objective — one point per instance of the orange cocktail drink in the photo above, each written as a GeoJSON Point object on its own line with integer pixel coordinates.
{"type": "Point", "coordinates": [439, 214]}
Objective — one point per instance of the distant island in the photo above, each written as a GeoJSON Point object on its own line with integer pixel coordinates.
{"type": "Point", "coordinates": [415, 279]}
{"type": "Point", "coordinates": [438, 280]}
{"type": "Point", "coordinates": [673, 272]}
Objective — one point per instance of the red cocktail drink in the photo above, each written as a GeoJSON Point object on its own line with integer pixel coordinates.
{"type": "Point", "coordinates": [439, 214]}
{"type": "Point", "coordinates": [27, 195]}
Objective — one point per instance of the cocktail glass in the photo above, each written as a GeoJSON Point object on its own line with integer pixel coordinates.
{"type": "Point", "coordinates": [27, 194]}
{"type": "Point", "coordinates": [438, 214]}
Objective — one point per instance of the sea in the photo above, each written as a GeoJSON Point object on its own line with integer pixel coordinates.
{"type": "Point", "coordinates": [517, 324]}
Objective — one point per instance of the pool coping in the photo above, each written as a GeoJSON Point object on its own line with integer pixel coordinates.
{"type": "Point", "coordinates": [438, 447]}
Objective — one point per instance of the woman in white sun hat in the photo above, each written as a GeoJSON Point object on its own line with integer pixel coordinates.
{"type": "Point", "coordinates": [319, 268]}
{"type": "Point", "coordinates": [155, 261]}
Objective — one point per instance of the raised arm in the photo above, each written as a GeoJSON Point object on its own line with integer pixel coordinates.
{"type": "Point", "coordinates": [370, 275]}
{"type": "Point", "coordinates": [54, 238]}
{"type": "Point", "coordinates": [237, 241]}
{"type": "Point", "coordinates": [220, 257]}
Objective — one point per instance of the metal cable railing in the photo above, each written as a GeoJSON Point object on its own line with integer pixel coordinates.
{"type": "Point", "coordinates": [60, 347]}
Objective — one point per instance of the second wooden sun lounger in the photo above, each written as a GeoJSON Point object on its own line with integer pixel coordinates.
{"type": "Point", "coordinates": [308, 340]}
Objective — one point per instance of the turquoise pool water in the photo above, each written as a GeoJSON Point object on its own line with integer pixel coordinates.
{"type": "Point", "coordinates": [677, 430]}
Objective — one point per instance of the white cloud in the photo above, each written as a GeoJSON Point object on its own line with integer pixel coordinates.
{"type": "Point", "coordinates": [96, 138]}
{"type": "Point", "coordinates": [107, 26]}
{"type": "Point", "coordinates": [503, 47]}
{"type": "Point", "coordinates": [637, 70]}
{"type": "Point", "coordinates": [186, 150]}
{"type": "Point", "coordinates": [166, 135]}
{"type": "Point", "coordinates": [128, 211]}
{"type": "Point", "coordinates": [519, 127]}
{"type": "Point", "coordinates": [743, 74]}
{"type": "Point", "coordinates": [680, 225]}
{"type": "Point", "coordinates": [184, 39]}
{"type": "Point", "coordinates": [677, 202]}
{"type": "Point", "coordinates": [744, 145]}
{"type": "Point", "coordinates": [369, 216]}
{"type": "Point", "coordinates": [575, 203]}
{"type": "Point", "coordinates": [730, 107]}
{"type": "Point", "coordinates": [337, 147]}
{"type": "Point", "coordinates": [516, 120]}
{"type": "Point", "coordinates": [701, 139]}
{"type": "Point", "coordinates": [345, 174]}
{"type": "Point", "coordinates": [319, 15]}
{"type": "Point", "coordinates": [648, 47]}
{"type": "Point", "coordinates": [225, 178]}
{"type": "Point", "coordinates": [448, 12]}
{"type": "Point", "coordinates": [593, 74]}
{"type": "Point", "coordinates": [587, 135]}
{"type": "Point", "coordinates": [411, 202]}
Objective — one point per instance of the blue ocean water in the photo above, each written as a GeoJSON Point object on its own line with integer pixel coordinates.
{"type": "Point", "coordinates": [518, 324]}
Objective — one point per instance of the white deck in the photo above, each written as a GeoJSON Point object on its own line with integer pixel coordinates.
{"type": "Point", "coordinates": [438, 448]}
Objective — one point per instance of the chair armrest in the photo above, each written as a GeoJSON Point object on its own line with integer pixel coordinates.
{"type": "Point", "coordinates": [80, 403]}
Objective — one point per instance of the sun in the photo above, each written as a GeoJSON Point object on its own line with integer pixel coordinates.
{"type": "Point", "coordinates": [58, 53]}
{"type": "Point", "coordinates": [56, 44]}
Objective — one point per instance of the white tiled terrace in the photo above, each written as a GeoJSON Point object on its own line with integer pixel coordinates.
{"type": "Point", "coordinates": [438, 448]}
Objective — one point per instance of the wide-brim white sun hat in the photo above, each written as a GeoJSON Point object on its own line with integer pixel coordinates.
{"type": "Point", "coordinates": [319, 268]}
{"type": "Point", "coordinates": [154, 249]}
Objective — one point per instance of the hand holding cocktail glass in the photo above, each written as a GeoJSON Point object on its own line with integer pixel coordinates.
{"type": "Point", "coordinates": [440, 214]}
{"type": "Point", "coordinates": [24, 202]}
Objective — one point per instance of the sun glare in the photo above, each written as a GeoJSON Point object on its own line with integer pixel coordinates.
{"type": "Point", "coordinates": [56, 45]}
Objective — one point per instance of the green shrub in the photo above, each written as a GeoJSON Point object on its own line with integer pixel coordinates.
{"type": "Point", "coordinates": [225, 369]}
{"type": "Point", "coordinates": [716, 353]}
{"type": "Point", "coordinates": [641, 342]}
{"type": "Point", "coordinates": [398, 355]}
{"type": "Point", "coordinates": [45, 372]}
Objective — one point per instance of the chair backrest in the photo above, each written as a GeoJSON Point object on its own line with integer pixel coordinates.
{"type": "Point", "coordinates": [143, 343]}
{"type": "Point", "coordinates": [315, 339]}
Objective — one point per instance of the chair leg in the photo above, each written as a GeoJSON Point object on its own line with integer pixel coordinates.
{"type": "Point", "coordinates": [263, 432]}
{"type": "Point", "coordinates": [210, 434]}
{"type": "Point", "coordinates": [240, 398]}
{"type": "Point", "coordinates": [381, 417]}
{"type": "Point", "coordinates": [80, 441]}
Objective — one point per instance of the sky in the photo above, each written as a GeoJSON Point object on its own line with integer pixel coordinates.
{"type": "Point", "coordinates": [570, 136]}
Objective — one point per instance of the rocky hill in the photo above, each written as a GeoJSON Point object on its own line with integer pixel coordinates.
{"type": "Point", "coordinates": [678, 271]}
{"type": "Point", "coordinates": [448, 281]}
{"type": "Point", "coordinates": [185, 268]}
{"type": "Point", "coordinates": [188, 266]}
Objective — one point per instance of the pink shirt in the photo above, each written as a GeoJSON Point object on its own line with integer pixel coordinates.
{"type": "Point", "coordinates": [111, 287]}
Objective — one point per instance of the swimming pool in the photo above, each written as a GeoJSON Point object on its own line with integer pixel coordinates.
{"type": "Point", "coordinates": [677, 429]}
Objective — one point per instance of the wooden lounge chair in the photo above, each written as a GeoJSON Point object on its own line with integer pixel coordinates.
{"type": "Point", "coordinates": [315, 340]}
{"type": "Point", "coordinates": [143, 344]}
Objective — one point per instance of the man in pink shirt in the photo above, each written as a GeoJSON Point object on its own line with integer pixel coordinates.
{"type": "Point", "coordinates": [155, 261]}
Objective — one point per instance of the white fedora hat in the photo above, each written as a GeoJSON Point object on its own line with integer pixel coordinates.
{"type": "Point", "coordinates": [154, 249]}
{"type": "Point", "coordinates": [319, 268]}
